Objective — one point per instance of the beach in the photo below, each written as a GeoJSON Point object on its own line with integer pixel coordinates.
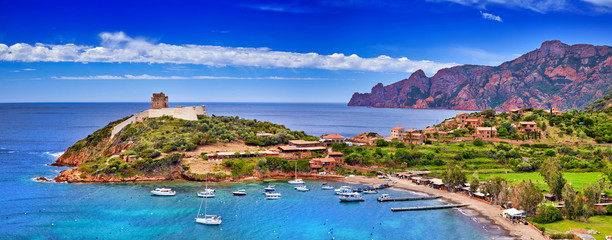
{"type": "Point", "coordinates": [491, 212]}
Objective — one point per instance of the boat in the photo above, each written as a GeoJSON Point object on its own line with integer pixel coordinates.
{"type": "Point", "coordinates": [384, 196]}
{"type": "Point", "coordinates": [370, 191]}
{"type": "Point", "coordinates": [327, 187]}
{"type": "Point", "coordinates": [296, 180]}
{"type": "Point", "coordinates": [351, 197]}
{"type": "Point", "coordinates": [240, 192]}
{"type": "Point", "coordinates": [273, 196]}
{"type": "Point", "coordinates": [302, 188]}
{"type": "Point", "coordinates": [207, 219]}
{"type": "Point", "coordinates": [345, 192]}
{"type": "Point", "coordinates": [163, 192]}
{"type": "Point", "coordinates": [270, 188]}
{"type": "Point", "coordinates": [207, 193]}
{"type": "Point", "coordinates": [338, 190]}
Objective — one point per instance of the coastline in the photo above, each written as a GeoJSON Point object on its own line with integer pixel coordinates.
{"type": "Point", "coordinates": [488, 211]}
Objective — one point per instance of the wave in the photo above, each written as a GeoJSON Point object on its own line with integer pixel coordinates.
{"type": "Point", "coordinates": [54, 154]}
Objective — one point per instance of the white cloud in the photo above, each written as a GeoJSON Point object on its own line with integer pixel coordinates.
{"type": "Point", "coordinates": [489, 16]}
{"type": "Point", "coordinates": [152, 77]}
{"type": "Point", "coordinates": [28, 69]}
{"type": "Point", "coordinates": [541, 6]}
{"type": "Point", "coordinates": [120, 48]}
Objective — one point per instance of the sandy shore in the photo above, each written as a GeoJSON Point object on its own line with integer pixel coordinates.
{"type": "Point", "coordinates": [489, 211]}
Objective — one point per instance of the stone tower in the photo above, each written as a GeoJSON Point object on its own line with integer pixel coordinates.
{"type": "Point", "coordinates": [159, 101]}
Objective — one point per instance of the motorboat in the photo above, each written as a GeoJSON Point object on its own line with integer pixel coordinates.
{"type": "Point", "coordinates": [163, 192]}
{"type": "Point", "coordinates": [273, 196]}
{"type": "Point", "coordinates": [270, 188]}
{"type": "Point", "coordinates": [240, 192]}
{"type": "Point", "coordinates": [370, 191]}
{"type": "Point", "coordinates": [338, 190]}
{"type": "Point", "coordinates": [206, 193]}
{"type": "Point", "coordinates": [345, 192]}
{"type": "Point", "coordinates": [302, 188]}
{"type": "Point", "coordinates": [351, 197]}
{"type": "Point", "coordinates": [384, 196]}
{"type": "Point", "coordinates": [327, 187]}
{"type": "Point", "coordinates": [207, 219]}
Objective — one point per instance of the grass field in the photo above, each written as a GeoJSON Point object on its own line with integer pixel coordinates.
{"type": "Point", "coordinates": [602, 224]}
{"type": "Point", "coordinates": [576, 179]}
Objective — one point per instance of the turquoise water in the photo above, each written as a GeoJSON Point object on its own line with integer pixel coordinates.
{"type": "Point", "coordinates": [33, 135]}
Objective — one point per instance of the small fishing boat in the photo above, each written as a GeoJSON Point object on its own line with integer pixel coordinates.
{"type": "Point", "coordinates": [338, 190]}
{"type": "Point", "coordinates": [384, 196]}
{"type": "Point", "coordinates": [327, 187]}
{"type": "Point", "coordinates": [207, 219]}
{"type": "Point", "coordinates": [240, 192]}
{"type": "Point", "coordinates": [302, 188]}
{"type": "Point", "coordinates": [270, 188]}
{"type": "Point", "coordinates": [163, 192]}
{"type": "Point", "coordinates": [273, 196]}
{"type": "Point", "coordinates": [370, 191]}
{"type": "Point", "coordinates": [352, 197]}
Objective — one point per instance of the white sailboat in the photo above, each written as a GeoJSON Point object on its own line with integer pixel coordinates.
{"type": "Point", "coordinates": [297, 180]}
{"type": "Point", "coordinates": [207, 219]}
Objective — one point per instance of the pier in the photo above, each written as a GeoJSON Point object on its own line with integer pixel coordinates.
{"type": "Point", "coordinates": [393, 199]}
{"type": "Point", "coordinates": [427, 207]}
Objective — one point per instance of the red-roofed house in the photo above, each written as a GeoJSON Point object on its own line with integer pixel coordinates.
{"type": "Point", "coordinates": [397, 132]}
{"type": "Point", "coordinates": [338, 156]}
{"type": "Point", "coordinates": [327, 164]}
{"type": "Point", "coordinates": [332, 138]}
{"type": "Point", "coordinates": [473, 122]}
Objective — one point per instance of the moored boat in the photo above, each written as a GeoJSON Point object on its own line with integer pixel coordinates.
{"type": "Point", "coordinates": [270, 188]}
{"type": "Point", "coordinates": [302, 188]}
{"type": "Point", "coordinates": [207, 219]}
{"type": "Point", "coordinates": [273, 196]}
{"type": "Point", "coordinates": [240, 192]}
{"type": "Point", "coordinates": [163, 192]}
{"type": "Point", "coordinates": [370, 191]}
{"type": "Point", "coordinates": [327, 187]}
{"type": "Point", "coordinates": [343, 188]}
{"type": "Point", "coordinates": [351, 197]}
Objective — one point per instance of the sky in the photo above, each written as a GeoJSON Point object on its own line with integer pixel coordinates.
{"type": "Point", "coordinates": [266, 51]}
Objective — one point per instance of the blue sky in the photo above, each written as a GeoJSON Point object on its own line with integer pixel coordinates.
{"type": "Point", "coordinates": [266, 51]}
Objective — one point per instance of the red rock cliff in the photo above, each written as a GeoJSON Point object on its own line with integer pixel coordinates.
{"type": "Point", "coordinates": [555, 75]}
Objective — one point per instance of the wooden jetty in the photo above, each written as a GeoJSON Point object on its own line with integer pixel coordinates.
{"type": "Point", "coordinates": [427, 207]}
{"type": "Point", "coordinates": [393, 199]}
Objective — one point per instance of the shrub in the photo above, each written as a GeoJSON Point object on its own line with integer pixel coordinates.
{"type": "Point", "coordinates": [562, 236]}
{"type": "Point", "coordinates": [382, 143]}
{"type": "Point", "coordinates": [168, 148]}
{"type": "Point", "coordinates": [547, 214]}
{"type": "Point", "coordinates": [609, 209]}
{"type": "Point", "coordinates": [524, 167]}
{"type": "Point", "coordinates": [478, 142]}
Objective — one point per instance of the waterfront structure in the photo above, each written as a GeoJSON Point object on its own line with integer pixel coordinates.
{"type": "Point", "coordinates": [485, 132]}
{"type": "Point", "coordinates": [397, 132]}
{"type": "Point", "coordinates": [159, 108]}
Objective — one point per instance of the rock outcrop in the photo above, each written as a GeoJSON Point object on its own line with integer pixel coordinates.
{"type": "Point", "coordinates": [555, 75]}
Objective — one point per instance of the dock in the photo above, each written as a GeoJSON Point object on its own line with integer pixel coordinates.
{"type": "Point", "coordinates": [427, 207]}
{"type": "Point", "coordinates": [394, 199]}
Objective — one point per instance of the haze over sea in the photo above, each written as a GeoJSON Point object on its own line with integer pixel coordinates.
{"type": "Point", "coordinates": [34, 135]}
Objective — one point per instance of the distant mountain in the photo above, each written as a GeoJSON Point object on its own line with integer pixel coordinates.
{"type": "Point", "coordinates": [600, 104]}
{"type": "Point", "coordinates": [555, 75]}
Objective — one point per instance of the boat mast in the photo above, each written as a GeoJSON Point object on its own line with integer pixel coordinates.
{"type": "Point", "coordinates": [206, 197]}
{"type": "Point", "coordinates": [296, 170]}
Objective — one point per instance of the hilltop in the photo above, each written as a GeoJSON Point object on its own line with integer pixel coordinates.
{"type": "Point", "coordinates": [603, 103]}
{"type": "Point", "coordinates": [556, 75]}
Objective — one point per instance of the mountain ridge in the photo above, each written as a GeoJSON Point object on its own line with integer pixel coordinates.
{"type": "Point", "coordinates": [556, 75]}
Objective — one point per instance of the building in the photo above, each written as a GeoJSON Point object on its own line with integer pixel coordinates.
{"type": "Point", "coordinates": [159, 108]}
{"type": "Point", "coordinates": [460, 117]}
{"type": "Point", "coordinates": [430, 130]}
{"type": "Point", "coordinates": [332, 138]}
{"type": "Point", "coordinates": [338, 156]}
{"type": "Point", "coordinates": [302, 146]}
{"type": "Point", "coordinates": [485, 132]}
{"type": "Point", "coordinates": [415, 138]}
{"type": "Point", "coordinates": [450, 123]}
{"type": "Point", "coordinates": [555, 111]}
{"type": "Point", "coordinates": [159, 101]}
{"type": "Point", "coordinates": [397, 132]}
{"type": "Point", "coordinates": [473, 122]}
{"type": "Point", "coordinates": [516, 111]}
{"type": "Point", "coordinates": [325, 164]}
{"type": "Point", "coordinates": [529, 126]}
{"type": "Point", "coordinates": [263, 134]}
{"type": "Point", "coordinates": [231, 155]}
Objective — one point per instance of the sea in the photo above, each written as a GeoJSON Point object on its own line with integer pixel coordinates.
{"type": "Point", "coordinates": [33, 135]}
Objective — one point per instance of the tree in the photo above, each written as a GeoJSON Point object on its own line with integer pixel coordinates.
{"type": "Point", "coordinates": [382, 143]}
{"type": "Point", "coordinates": [453, 176]}
{"type": "Point", "coordinates": [474, 182]}
{"type": "Point", "coordinates": [547, 214]}
{"type": "Point", "coordinates": [494, 186]}
{"type": "Point", "coordinates": [527, 196]}
{"type": "Point", "coordinates": [556, 184]}
{"type": "Point", "coordinates": [478, 142]}
{"type": "Point", "coordinates": [573, 202]}
{"type": "Point", "coordinates": [489, 113]}
{"type": "Point", "coordinates": [591, 193]}
{"type": "Point", "coordinates": [608, 173]}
